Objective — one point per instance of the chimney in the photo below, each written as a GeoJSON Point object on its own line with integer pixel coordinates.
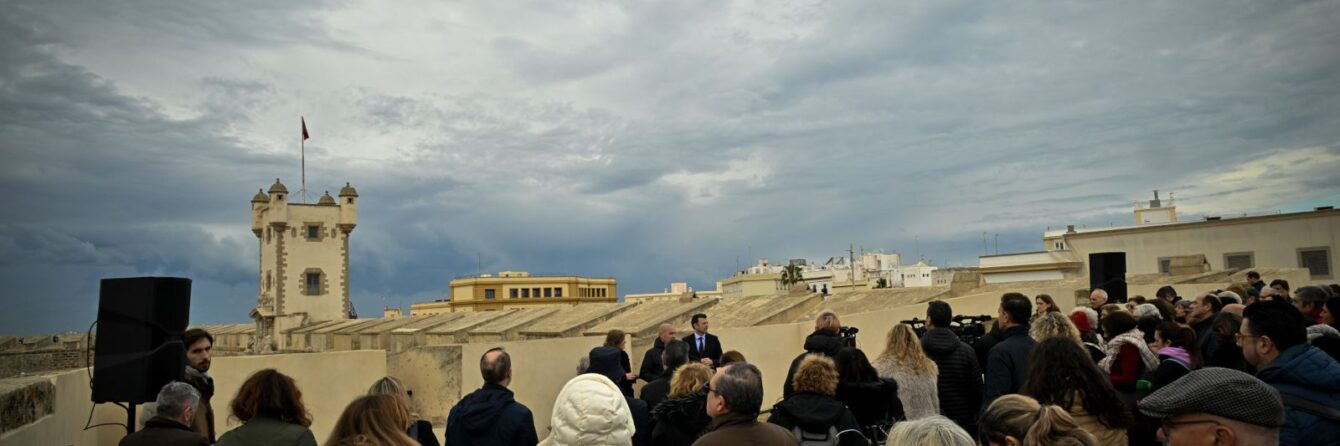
{"type": "Point", "coordinates": [1069, 229]}
{"type": "Point", "coordinates": [1155, 203]}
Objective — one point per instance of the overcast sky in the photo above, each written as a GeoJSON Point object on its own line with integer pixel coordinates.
{"type": "Point", "coordinates": [645, 140]}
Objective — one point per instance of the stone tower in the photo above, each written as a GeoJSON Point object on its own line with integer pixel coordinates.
{"type": "Point", "coordinates": [304, 261]}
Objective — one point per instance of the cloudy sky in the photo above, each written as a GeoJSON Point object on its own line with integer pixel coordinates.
{"type": "Point", "coordinates": [646, 140]}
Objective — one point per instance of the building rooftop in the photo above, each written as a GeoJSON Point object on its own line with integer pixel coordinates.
{"type": "Point", "coordinates": [757, 310]}
{"type": "Point", "coordinates": [522, 317]}
{"type": "Point", "coordinates": [468, 320]}
{"type": "Point", "coordinates": [1207, 220]}
{"type": "Point", "coordinates": [873, 300]}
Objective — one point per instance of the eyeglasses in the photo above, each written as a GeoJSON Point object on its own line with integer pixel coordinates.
{"type": "Point", "coordinates": [1169, 424]}
{"type": "Point", "coordinates": [707, 387]}
{"type": "Point", "coordinates": [1240, 336]}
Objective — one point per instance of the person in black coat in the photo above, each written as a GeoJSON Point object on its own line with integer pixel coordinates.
{"type": "Point", "coordinates": [873, 400]}
{"type": "Point", "coordinates": [676, 354]}
{"type": "Point", "coordinates": [605, 361]}
{"type": "Point", "coordinates": [652, 368]}
{"type": "Point", "coordinates": [491, 415]}
{"type": "Point", "coordinates": [704, 347]}
{"type": "Point", "coordinates": [682, 418]}
{"type": "Point", "coordinates": [959, 384]}
{"type": "Point", "coordinates": [171, 426]}
{"type": "Point", "coordinates": [1007, 364]}
{"type": "Point", "coordinates": [825, 341]}
{"type": "Point", "coordinates": [812, 409]}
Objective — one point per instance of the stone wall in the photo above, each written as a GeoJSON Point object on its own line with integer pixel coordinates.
{"type": "Point", "coordinates": [23, 401]}
{"type": "Point", "coordinates": [27, 363]}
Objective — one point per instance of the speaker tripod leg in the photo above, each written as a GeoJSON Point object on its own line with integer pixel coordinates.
{"type": "Point", "coordinates": [130, 418]}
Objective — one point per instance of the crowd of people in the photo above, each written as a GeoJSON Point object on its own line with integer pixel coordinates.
{"type": "Point", "coordinates": [1249, 365]}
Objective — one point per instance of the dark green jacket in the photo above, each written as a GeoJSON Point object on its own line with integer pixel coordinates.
{"type": "Point", "coordinates": [266, 431]}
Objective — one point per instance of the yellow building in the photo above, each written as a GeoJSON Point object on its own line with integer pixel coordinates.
{"type": "Point", "coordinates": [519, 289]}
{"type": "Point", "coordinates": [304, 261]}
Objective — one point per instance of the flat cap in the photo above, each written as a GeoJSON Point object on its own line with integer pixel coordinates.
{"type": "Point", "coordinates": [1218, 391]}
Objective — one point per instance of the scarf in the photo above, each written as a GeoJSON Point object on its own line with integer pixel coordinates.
{"type": "Point", "coordinates": [206, 383]}
{"type": "Point", "coordinates": [1178, 354]}
{"type": "Point", "coordinates": [1135, 338]}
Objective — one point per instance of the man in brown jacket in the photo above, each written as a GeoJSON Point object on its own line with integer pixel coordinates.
{"type": "Point", "coordinates": [176, 406]}
{"type": "Point", "coordinates": [734, 396]}
{"type": "Point", "coordinates": [199, 354]}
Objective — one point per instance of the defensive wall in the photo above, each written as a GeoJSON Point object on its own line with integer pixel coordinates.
{"type": "Point", "coordinates": [769, 336]}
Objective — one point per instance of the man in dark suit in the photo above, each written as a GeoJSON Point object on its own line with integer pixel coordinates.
{"type": "Point", "coordinates": [704, 347]}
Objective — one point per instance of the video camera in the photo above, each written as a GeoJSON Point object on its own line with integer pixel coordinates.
{"type": "Point", "coordinates": [848, 335]}
{"type": "Point", "coordinates": [968, 328]}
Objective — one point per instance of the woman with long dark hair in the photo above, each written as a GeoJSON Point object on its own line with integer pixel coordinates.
{"type": "Point", "coordinates": [1061, 374]}
{"type": "Point", "coordinates": [872, 399]}
{"type": "Point", "coordinates": [269, 406]}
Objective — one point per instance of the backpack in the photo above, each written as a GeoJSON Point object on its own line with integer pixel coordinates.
{"type": "Point", "coordinates": [805, 438]}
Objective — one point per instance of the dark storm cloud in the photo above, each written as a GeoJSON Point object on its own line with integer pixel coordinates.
{"type": "Point", "coordinates": [652, 142]}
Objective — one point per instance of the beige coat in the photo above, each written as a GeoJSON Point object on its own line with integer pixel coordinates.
{"type": "Point", "coordinates": [1107, 436]}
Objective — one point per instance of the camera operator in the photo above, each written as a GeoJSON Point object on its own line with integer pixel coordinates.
{"type": "Point", "coordinates": [826, 340]}
{"type": "Point", "coordinates": [959, 384]}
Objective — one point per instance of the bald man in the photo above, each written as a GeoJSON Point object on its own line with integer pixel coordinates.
{"type": "Point", "coordinates": [651, 361]}
{"type": "Point", "coordinates": [1097, 299]}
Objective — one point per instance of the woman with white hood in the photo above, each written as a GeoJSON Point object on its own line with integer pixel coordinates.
{"type": "Point", "coordinates": [590, 410]}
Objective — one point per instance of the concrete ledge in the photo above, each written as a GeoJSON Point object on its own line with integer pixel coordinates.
{"type": "Point", "coordinates": [25, 400]}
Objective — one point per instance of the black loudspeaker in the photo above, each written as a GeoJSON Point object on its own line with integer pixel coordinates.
{"type": "Point", "coordinates": [139, 349]}
{"type": "Point", "coordinates": [1107, 270]}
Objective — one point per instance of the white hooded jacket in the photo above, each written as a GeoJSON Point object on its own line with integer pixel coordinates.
{"type": "Point", "coordinates": [590, 410]}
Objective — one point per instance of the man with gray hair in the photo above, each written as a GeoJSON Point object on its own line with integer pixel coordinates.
{"type": "Point", "coordinates": [177, 403]}
{"type": "Point", "coordinates": [734, 397]}
{"type": "Point", "coordinates": [1217, 406]}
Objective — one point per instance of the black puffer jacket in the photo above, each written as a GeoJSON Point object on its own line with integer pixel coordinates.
{"type": "Point", "coordinates": [816, 413]}
{"type": "Point", "coordinates": [872, 402]}
{"type": "Point", "coordinates": [680, 421]}
{"type": "Point", "coordinates": [821, 342]}
{"type": "Point", "coordinates": [1007, 364]}
{"type": "Point", "coordinates": [960, 382]}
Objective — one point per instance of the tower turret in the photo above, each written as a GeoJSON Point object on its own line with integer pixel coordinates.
{"type": "Point", "coordinates": [278, 204]}
{"type": "Point", "coordinates": [258, 204]}
{"type": "Point", "coordinates": [348, 208]}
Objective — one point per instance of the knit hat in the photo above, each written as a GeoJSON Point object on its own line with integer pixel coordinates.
{"type": "Point", "coordinates": [1218, 391]}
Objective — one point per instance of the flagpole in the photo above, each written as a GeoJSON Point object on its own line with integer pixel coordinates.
{"type": "Point", "coordinates": [303, 146]}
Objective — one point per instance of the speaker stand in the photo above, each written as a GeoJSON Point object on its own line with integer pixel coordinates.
{"type": "Point", "coordinates": [130, 418]}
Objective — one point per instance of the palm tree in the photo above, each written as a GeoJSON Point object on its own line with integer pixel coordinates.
{"type": "Point", "coordinates": [791, 275]}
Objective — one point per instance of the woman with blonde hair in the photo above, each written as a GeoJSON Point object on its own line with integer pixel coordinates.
{"type": "Point", "coordinates": [915, 374]}
{"type": "Point", "coordinates": [682, 417]}
{"type": "Point", "coordinates": [419, 430]}
{"type": "Point", "coordinates": [1017, 420]}
{"type": "Point", "coordinates": [373, 420]}
{"type": "Point", "coordinates": [1051, 325]}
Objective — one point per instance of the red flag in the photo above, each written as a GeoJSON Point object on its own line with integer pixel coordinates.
{"type": "Point", "coordinates": [305, 136]}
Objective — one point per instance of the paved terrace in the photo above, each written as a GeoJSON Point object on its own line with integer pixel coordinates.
{"type": "Point", "coordinates": [508, 328]}
{"type": "Point", "coordinates": [457, 330]}
{"type": "Point", "coordinates": [573, 321]}
{"type": "Point", "coordinates": [643, 319]}
{"type": "Point", "coordinates": [873, 300]}
{"type": "Point", "coordinates": [761, 310]}
{"type": "Point", "coordinates": [415, 333]}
